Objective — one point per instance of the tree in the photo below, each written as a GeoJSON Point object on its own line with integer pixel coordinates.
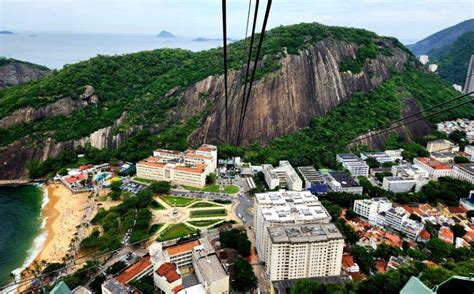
{"type": "Point", "coordinates": [244, 279]}
{"type": "Point", "coordinates": [415, 217]}
{"type": "Point", "coordinates": [385, 251]}
{"type": "Point", "coordinates": [372, 162]}
{"type": "Point", "coordinates": [314, 287]}
{"type": "Point", "coordinates": [363, 258]}
{"type": "Point", "coordinates": [438, 248]}
{"type": "Point", "coordinates": [457, 136]}
{"type": "Point", "coordinates": [236, 239]}
{"type": "Point", "coordinates": [458, 230]}
{"type": "Point", "coordinates": [461, 159]}
{"type": "Point", "coordinates": [160, 187]}
{"type": "Point", "coordinates": [115, 186]}
{"type": "Point", "coordinates": [211, 179]}
{"type": "Point", "coordinates": [350, 214]}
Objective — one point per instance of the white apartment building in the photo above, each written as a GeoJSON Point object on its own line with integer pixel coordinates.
{"type": "Point", "coordinates": [285, 207]}
{"type": "Point", "coordinates": [464, 171]}
{"type": "Point", "coordinates": [284, 176]}
{"type": "Point", "coordinates": [410, 171]}
{"type": "Point", "coordinates": [441, 145]}
{"type": "Point", "coordinates": [353, 164]}
{"type": "Point", "coordinates": [371, 208]}
{"type": "Point", "coordinates": [434, 168]}
{"type": "Point", "coordinates": [383, 157]}
{"type": "Point", "coordinates": [398, 219]}
{"type": "Point", "coordinates": [303, 251]}
{"type": "Point", "coordinates": [398, 184]}
{"type": "Point", "coordinates": [183, 168]}
{"type": "Point", "coordinates": [343, 182]}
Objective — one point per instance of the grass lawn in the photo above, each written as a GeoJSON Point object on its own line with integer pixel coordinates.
{"type": "Point", "coordinates": [230, 189]}
{"type": "Point", "coordinates": [156, 205]}
{"type": "Point", "coordinates": [208, 213]}
{"type": "Point", "coordinates": [145, 181]}
{"type": "Point", "coordinates": [204, 223]}
{"type": "Point", "coordinates": [203, 204]}
{"type": "Point", "coordinates": [179, 201]}
{"type": "Point", "coordinates": [175, 231]}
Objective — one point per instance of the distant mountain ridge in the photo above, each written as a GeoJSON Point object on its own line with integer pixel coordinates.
{"type": "Point", "coordinates": [6, 33]}
{"type": "Point", "coordinates": [165, 34]}
{"type": "Point", "coordinates": [442, 38]}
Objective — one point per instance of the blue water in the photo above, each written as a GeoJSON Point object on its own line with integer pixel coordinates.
{"type": "Point", "coordinates": [54, 50]}
{"type": "Point", "coordinates": [20, 224]}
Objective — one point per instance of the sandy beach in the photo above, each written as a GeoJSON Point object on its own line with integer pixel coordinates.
{"type": "Point", "coordinates": [63, 214]}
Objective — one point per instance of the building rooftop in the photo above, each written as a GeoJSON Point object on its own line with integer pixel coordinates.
{"type": "Point", "coordinates": [210, 266]}
{"type": "Point", "coordinates": [344, 179]}
{"type": "Point", "coordinates": [295, 213]}
{"type": "Point", "coordinates": [283, 197]}
{"type": "Point", "coordinates": [433, 163]}
{"type": "Point", "coordinates": [133, 270]}
{"type": "Point", "coordinates": [168, 271]}
{"type": "Point", "coordinates": [181, 248]}
{"type": "Point", "coordinates": [467, 167]}
{"type": "Point", "coordinates": [307, 233]}
{"type": "Point", "coordinates": [373, 200]}
{"type": "Point", "coordinates": [348, 157]}
{"type": "Point", "coordinates": [114, 287]}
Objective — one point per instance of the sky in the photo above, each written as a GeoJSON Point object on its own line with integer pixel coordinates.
{"type": "Point", "coordinates": [408, 20]}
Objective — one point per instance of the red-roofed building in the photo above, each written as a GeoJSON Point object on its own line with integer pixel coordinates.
{"type": "Point", "coordinates": [424, 236]}
{"type": "Point", "coordinates": [349, 265]}
{"type": "Point", "coordinates": [380, 266]}
{"type": "Point", "coordinates": [135, 270]}
{"type": "Point", "coordinates": [469, 236]}
{"type": "Point", "coordinates": [433, 167]}
{"type": "Point", "coordinates": [457, 210]}
{"type": "Point", "coordinates": [446, 235]}
{"type": "Point", "coordinates": [167, 278]}
{"type": "Point", "coordinates": [392, 240]}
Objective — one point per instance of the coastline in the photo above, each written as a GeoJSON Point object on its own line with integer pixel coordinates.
{"type": "Point", "coordinates": [61, 214]}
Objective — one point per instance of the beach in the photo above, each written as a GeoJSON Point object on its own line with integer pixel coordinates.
{"type": "Point", "coordinates": [63, 214]}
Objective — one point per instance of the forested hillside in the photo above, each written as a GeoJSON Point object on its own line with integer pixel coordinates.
{"type": "Point", "coordinates": [130, 104]}
{"type": "Point", "coordinates": [453, 61]}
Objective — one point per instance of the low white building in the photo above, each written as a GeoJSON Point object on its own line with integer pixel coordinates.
{"type": "Point", "coordinates": [371, 208]}
{"type": "Point", "coordinates": [464, 171]}
{"type": "Point", "coordinates": [434, 168]}
{"type": "Point", "coordinates": [398, 184]}
{"type": "Point", "coordinates": [398, 219]}
{"type": "Point", "coordinates": [282, 176]}
{"type": "Point", "coordinates": [343, 182]}
{"type": "Point", "coordinates": [411, 171]}
{"type": "Point", "coordinates": [353, 164]}
{"type": "Point", "coordinates": [441, 145]}
{"type": "Point", "coordinates": [424, 59]}
{"type": "Point", "coordinates": [383, 157]}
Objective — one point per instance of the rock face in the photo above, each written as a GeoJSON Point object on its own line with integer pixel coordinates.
{"type": "Point", "coordinates": [62, 106]}
{"type": "Point", "coordinates": [307, 85]}
{"type": "Point", "coordinates": [408, 132]}
{"type": "Point", "coordinates": [15, 156]}
{"type": "Point", "coordinates": [13, 72]}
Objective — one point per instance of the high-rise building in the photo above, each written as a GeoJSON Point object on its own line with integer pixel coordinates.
{"type": "Point", "coordinates": [303, 251]}
{"type": "Point", "coordinates": [285, 207]}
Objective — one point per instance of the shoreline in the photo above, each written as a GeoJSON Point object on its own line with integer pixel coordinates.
{"type": "Point", "coordinates": [61, 214]}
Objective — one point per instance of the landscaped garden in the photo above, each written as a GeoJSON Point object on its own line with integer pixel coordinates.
{"type": "Point", "coordinates": [175, 231]}
{"type": "Point", "coordinates": [205, 222]}
{"type": "Point", "coordinates": [201, 213]}
{"type": "Point", "coordinates": [203, 204]}
{"type": "Point", "coordinates": [215, 188]}
{"type": "Point", "coordinates": [178, 201]}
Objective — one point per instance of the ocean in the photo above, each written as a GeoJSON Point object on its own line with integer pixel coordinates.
{"type": "Point", "coordinates": [54, 49]}
{"type": "Point", "coordinates": [21, 226]}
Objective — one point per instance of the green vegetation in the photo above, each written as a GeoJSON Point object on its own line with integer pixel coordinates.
{"type": "Point", "coordinates": [145, 284]}
{"type": "Point", "coordinates": [244, 279]}
{"type": "Point", "coordinates": [203, 204]}
{"type": "Point", "coordinates": [145, 181]}
{"type": "Point", "coordinates": [208, 213]}
{"type": "Point", "coordinates": [178, 201]}
{"type": "Point", "coordinates": [204, 222]}
{"type": "Point", "coordinates": [157, 205]}
{"type": "Point", "coordinates": [453, 60]}
{"type": "Point", "coordinates": [160, 187]}
{"type": "Point", "coordinates": [214, 188]}
{"type": "Point", "coordinates": [355, 65]}
{"type": "Point", "coordinates": [236, 239]}
{"type": "Point", "coordinates": [116, 221]}
{"type": "Point", "coordinates": [175, 231]}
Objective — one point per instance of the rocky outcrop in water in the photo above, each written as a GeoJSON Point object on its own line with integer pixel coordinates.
{"type": "Point", "coordinates": [15, 72]}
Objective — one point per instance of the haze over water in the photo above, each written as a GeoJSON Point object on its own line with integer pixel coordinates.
{"type": "Point", "coordinates": [54, 49]}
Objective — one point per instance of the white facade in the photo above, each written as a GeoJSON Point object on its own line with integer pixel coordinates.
{"type": "Point", "coordinates": [440, 145]}
{"type": "Point", "coordinates": [469, 149]}
{"type": "Point", "coordinates": [283, 175]}
{"type": "Point", "coordinates": [183, 168]}
{"type": "Point", "coordinates": [383, 157]}
{"type": "Point", "coordinates": [398, 184]}
{"type": "Point", "coordinates": [424, 59]}
{"type": "Point", "coordinates": [410, 171]}
{"type": "Point", "coordinates": [371, 208]}
{"type": "Point", "coordinates": [285, 207]}
{"type": "Point", "coordinates": [434, 168]}
{"type": "Point", "coordinates": [353, 164]}
{"type": "Point", "coordinates": [398, 219]}
{"type": "Point", "coordinates": [210, 271]}
{"type": "Point", "coordinates": [303, 251]}
{"type": "Point", "coordinates": [464, 171]}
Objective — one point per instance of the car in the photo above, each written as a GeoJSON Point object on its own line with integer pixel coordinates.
{"type": "Point", "coordinates": [239, 215]}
